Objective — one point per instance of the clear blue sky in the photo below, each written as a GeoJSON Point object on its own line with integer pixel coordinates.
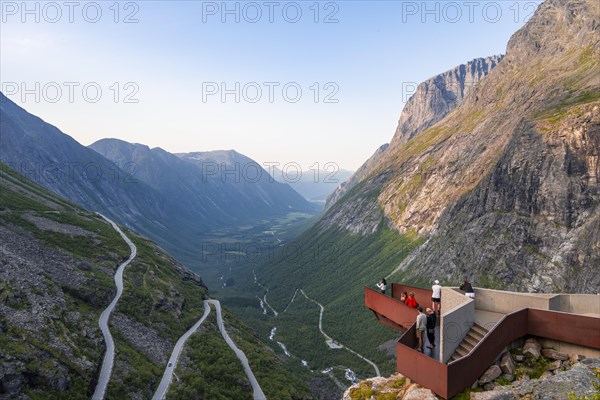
{"type": "Point", "coordinates": [179, 52]}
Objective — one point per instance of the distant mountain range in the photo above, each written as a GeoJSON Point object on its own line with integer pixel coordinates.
{"type": "Point", "coordinates": [170, 198]}
{"type": "Point", "coordinates": [315, 185]}
{"type": "Point", "coordinates": [219, 187]}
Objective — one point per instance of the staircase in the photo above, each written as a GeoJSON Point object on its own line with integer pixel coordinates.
{"type": "Point", "coordinates": [474, 336]}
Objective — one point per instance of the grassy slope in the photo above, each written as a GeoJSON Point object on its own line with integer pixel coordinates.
{"type": "Point", "coordinates": [333, 275]}
{"type": "Point", "coordinates": [33, 347]}
{"type": "Point", "coordinates": [158, 293]}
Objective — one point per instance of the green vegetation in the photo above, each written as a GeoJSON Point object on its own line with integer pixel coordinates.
{"type": "Point", "coordinates": [159, 293]}
{"type": "Point", "coordinates": [332, 267]}
{"type": "Point", "coordinates": [531, 367]}
{"type": "Point", "coordinates": [466, 394]}
{"type": "Point", "coordinates": [275, 381]}
{"type": "Point", "coordinates": [213, 372]}
{"type": "Point", "coordinates": [365, 390]}
{"type": "Point", "coordinates": [134, 373]}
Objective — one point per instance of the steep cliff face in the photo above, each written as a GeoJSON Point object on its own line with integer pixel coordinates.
{"type": "Point", "coordinates": [534, 222]}
{"type": "Point", "coordinates": [505, 185]}
{"type": "Point", "coordinates": [438, 96]}
{"type": "Point", "coordinates": [431, 102]}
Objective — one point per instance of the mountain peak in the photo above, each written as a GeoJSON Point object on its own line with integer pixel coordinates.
{"type": "Point", "coordinates": [557, 26]}
{"type": "Point", "coordinates": [439, 95]}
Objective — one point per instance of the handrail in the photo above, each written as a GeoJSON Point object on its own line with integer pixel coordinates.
{"type": "Point", "coordinates": [392, 309]}
{"type": "Point", "coordinates": [419, 367]}
{"type": "Point", "coordinates": [466, 370]}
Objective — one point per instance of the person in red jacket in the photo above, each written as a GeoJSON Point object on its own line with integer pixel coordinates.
{"type": "Point", "coordinates": [410, 300]}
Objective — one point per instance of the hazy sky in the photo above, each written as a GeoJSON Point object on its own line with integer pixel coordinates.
{"type": "Point", "coordinates": [306, 82]}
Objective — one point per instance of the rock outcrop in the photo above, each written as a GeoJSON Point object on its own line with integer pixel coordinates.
{"type": "Point", "coordinates": [580, 381]}
{"type": "Point", "coordinates": [431, 102]}
{"type": "Point", "coordinates": [396, 386]}
{"type": "Point", "coordinates": [438, 96]}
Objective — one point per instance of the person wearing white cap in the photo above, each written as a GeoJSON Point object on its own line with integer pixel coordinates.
{"type": "Point", "coordinates": [436, 296]}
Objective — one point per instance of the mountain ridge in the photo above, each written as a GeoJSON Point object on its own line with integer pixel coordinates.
{"type": "Point", "coordinates": [433, 99]}
{"type": "Point", "coordinates": [175, 210]}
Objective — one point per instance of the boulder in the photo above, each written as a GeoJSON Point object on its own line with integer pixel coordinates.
{"type": "Point", "coordinates": [508, 377]}
{"type": "Point", "coordinates": [553, 365]}
{"type": "Point", "coordinates": [546, 375]}
{"type": "Point", "coordinates": [554, 355]}
{"type": "Point", "coordinates": [420, 394]}
{"type": "Point", "coordinates": [518, 357]}
{"type": "Point", "coordinates": [11, 384]}
{"type": "Point", "coordinates": [532, 348]}
{"type": "Point", "coordinates": [507, 364]}
{"type": "Point", "coordinates": [575, 358]}
{"type": "Point", "coordinates": [579, 380]}
{"type": "Point", "coordinates": [492, 373]}
{"type": "Point", "coordinates": [494, 395]}
{"type": "Point", "coordinates": [490, 386]}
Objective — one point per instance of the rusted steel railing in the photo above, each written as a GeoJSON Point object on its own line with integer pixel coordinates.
{"type": "Point", "coordinates": [582, 330]}
{"type": "Point", "coordinates": [463, 372]}
{"type": "Point", "coordinates": [423, 296]}
{"type": "Point", "coordinates": [393, 310]}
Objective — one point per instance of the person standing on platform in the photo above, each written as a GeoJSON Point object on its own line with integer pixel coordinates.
{"type": "Point", "coordinates": [436, 296]}
{"type": "Point", "coordinates": [431, 322]}
{"type": "Point", "coordinates": [421, 326]}
{"type": "Point", "coordinates": [411, 301]}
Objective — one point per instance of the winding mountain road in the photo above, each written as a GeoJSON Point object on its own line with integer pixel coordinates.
{"type": "Point", "coordinates": [258, 393]}
{"type": "Point", "coordinates": [332, 343]}
{"type": "Point", "coordinates": [168, 374]}
{"type": "Point", "coordinates": [170, 370]}
{"type": "Point", "coordinates": [109, 356]}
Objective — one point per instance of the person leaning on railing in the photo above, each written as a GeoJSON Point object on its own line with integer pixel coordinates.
{"type": "Point", "coordinates": [468, 289]}
{"type": "Point", "coordinates": [382, 285]}
{"type": "Point", "coordinates": [403, 297]}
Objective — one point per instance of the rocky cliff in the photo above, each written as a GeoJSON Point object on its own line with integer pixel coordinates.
{"type": "Point", "coordinates": [438, 96]}
{"type": "Point", "coordinates": [432, 101]}
{"type": "Point", "coordinates": [505, 187]}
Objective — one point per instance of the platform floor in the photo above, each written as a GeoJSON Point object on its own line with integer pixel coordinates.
{"type": "Point", "coordinates": [435, 352]}
{"type": "Point", "coordinates": [487, 319]}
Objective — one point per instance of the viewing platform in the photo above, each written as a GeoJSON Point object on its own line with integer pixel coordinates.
{"type": "Point", "coordinates": [472, 333]}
